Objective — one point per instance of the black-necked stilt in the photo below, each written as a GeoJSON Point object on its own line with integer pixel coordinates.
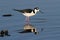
{"type": "Point", "coordinates": [29, 12]}
{"type": "Point", "coordinates": [28, 28]}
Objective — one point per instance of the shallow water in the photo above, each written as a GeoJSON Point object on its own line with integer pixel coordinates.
{"type": "Point", "coordinates": [49, 20]}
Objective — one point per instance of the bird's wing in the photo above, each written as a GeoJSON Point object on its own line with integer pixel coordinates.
{"type": "Point", "coordinates": [17, 10]}
{"type": "Point", "coordinates": [24, 10]}
{"type": "Point", "coordinates": [27, 10]}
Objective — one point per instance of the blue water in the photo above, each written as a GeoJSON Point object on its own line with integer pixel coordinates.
{"type": "Point", "coordinates": [49, 20]}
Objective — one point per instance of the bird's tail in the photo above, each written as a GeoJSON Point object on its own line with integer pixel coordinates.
{"type": "Point", "coordinates": [15, 10]}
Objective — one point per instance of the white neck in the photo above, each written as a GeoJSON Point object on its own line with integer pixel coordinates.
{"type": "Point", "coordinates": [36, 11]}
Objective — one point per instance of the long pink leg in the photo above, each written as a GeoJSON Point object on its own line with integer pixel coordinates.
{"type": "Point", "coordinates": [27, 20]}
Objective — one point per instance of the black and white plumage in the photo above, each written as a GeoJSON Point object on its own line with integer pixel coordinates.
{"type": "Point", "coordinates": [28, 12]}
{"type": "Point", "coordinates": [28, 28]}
{"type": "Point", "coordinates": [25, 10]}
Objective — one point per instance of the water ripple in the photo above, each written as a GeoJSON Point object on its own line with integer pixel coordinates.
{"type": "Point", "coordinates": [38, 20]}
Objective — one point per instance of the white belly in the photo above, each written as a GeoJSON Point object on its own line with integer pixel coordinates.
{"type": "Point", "coordinates": [28, 14]}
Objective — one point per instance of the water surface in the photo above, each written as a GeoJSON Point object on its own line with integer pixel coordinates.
{"type": "Point", "coordinates": [49, 21]}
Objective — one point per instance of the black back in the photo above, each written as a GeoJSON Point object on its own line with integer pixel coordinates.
{"type": "Point", "coordinates": [24, 10]}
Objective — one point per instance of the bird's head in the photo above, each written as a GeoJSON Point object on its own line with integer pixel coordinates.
{"type": "Point", "coordinates": [37, 10]}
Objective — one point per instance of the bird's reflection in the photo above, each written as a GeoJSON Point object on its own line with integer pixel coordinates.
{"type": "Point", "coordinates": [29, 28]}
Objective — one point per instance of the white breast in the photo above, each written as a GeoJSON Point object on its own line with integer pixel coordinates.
{"type": "Point", "coordinates": [29, 14]}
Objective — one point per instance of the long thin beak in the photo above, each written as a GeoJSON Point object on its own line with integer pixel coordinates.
{"type": "Point", "coordinates": [41, 11]}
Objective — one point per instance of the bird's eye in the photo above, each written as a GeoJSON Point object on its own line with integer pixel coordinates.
{"type": "Point", "coordinates": [37, 8]}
